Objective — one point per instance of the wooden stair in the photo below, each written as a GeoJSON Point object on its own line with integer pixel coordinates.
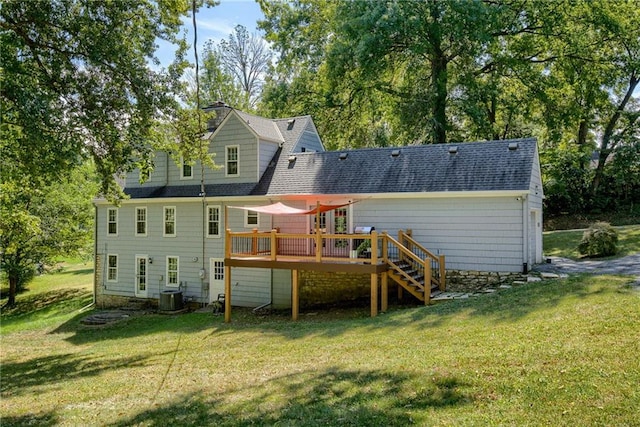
{"type": "Point", "coordinates": [414, 268]}
{"type": "Point", "coordinates": [412, 280]}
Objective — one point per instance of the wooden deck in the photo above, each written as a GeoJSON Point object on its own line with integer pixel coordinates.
{"type": "Point", "coordinates": [372, 254]}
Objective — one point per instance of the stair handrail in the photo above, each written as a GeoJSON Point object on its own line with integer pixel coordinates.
{"type": "Point", "coordinates": [419, 261]}
{"type": "Point", "coordinates": [439, 274]}
{"type": "Point", "coordinates": [418, 245]}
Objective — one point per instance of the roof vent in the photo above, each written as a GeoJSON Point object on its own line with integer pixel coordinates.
{"type": "Point", "coordinates": [395, 153]}
{"type": "Point", "coordinates": [290, 123]}
{"type": "Point", "coordinates": [292, 159]}
{"type": "Point", "coordinates": [453, 149]}
{"type": "Point", "coordinates": [343, 156]}
{"type": "Point", "coordinates": [513, 146]}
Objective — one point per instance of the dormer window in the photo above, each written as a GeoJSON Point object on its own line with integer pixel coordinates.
{"type": "Point", "coordinates": [186, 170]}
{"type": "Point", "coordinates": [231, 160]}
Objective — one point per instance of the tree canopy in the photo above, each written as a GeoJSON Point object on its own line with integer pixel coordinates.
{"type": "Point", "coordinates": [376, 73]}
{"type": "Point", "coordinates": [80, 79]}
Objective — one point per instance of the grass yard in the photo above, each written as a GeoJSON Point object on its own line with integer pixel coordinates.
{"type": "Point", "coordinates": [565, 243]}
{"type": "Point", "coordinates": [549, 353]}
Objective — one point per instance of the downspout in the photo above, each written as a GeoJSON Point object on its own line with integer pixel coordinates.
{"type": "Point", "coordinates": [525, 234]}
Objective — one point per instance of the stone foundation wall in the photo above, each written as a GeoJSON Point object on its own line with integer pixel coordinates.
{"type": "Point", "coordinates": [327, 287]}
{"type": "Point", "coordinates": [471, 281]}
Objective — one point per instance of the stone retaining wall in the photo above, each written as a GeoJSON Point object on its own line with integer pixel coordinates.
{"type": "Point", "coordinates": [318, 287]}
{"type": "Point", "coordinates": [472, 281]}
{"type": "Point", "coordinates": [327, 288]}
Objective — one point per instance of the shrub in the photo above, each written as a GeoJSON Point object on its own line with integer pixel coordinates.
{"type": "Point", "coordinates": [600, 239]}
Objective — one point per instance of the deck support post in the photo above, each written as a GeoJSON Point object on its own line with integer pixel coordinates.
{"type": "Point", "coordinates": [427, 281]}
{"type": "Point", "coordinates": [227, 294]}
{"type": "Point", "coordinates": [295, 295]}
{"type": "Point", "coordinates": [384, 298]}
{"type": "Point", "coordinates": [443, 273]}
{"type": "Point", "coordinates": [374, 295]}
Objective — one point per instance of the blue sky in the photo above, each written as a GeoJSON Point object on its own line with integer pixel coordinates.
{"type": "Point", "coordinates": [215, 23]}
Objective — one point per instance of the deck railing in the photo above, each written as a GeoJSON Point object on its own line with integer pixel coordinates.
{"type": "Point", "coordinates": [371, 248]}
{"type": "Point", "coordinates": [438, 274]}
{"type": "Point", "coordinates": [365, 248]}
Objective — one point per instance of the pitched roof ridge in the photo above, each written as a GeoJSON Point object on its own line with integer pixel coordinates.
{"type": "Point", "coordinates": [282, 119]}
{"type": "Point", "coordinates": [248, 116]}
{"type": "Point", "coordinates": [422, 146]}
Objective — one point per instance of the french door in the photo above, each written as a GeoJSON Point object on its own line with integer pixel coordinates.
{"type": "Point", "coordinates": [333, 222]}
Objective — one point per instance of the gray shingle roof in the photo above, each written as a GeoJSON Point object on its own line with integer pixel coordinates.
{"type": "Point", "coordinates": [291, 129]}
{"type": "Point", "coordinates": [212, 190]}
{"type": "Point", "coordinates": [265, 128]}
{"type": "Point", "coordinates": [478, 166]}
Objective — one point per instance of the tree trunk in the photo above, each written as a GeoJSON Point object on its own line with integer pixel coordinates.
{"type": "Point", "coordinates": [439, 84]}
{"type": "Point", "coordinates": [606, 146]}
{"type": "Point", "coordinates": [13, 286]}
{"type": "Point", "coordinates": [439, 79]}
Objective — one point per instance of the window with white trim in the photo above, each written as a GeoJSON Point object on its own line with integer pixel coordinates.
{"type": "Point", "coordinates": [231, 160]}
{"type": "Point", "coordinates": [186, 170]}
{"type": "Point", "coordinates": [112, 268]}
{"type": "Point", "coordinates": [112, 221]}
{"type": "Point", "coordinates": [173, 266]}
{"type": "Point", "coordinates": [213, 221]}
{"type": "Point", "coordinates": [141, 221]}
{"type": "Point", "coordinates": [169, 229]}
{"type": "Point", "coordinates": [251, 219]}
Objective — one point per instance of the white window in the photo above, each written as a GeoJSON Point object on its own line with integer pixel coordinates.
{"type": "Point", "coordinates": [112, 221]}
{"type": "Point", "coordinates": [169, 229]}
{"type": "Point", "coordinates": [112, 268]}
{"type": "Point", "coordinates": [186, 170]}
{"type": "Point", "coordinates": [231, 160]}
{"type": "Point", "coordinates": [141, 221]}
{"type": "Point", "coordinates": [251, 219]}
{"type": "Point", "coordinates": [213, 221]}
{"type": "Point", "coordinates": [173, 263]}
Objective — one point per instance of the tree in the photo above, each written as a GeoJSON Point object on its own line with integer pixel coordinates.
{"type": "Point", "coordinates": [245, 57]}
{"type": "Point", "coordinates": [76, 82]}
{"type": "Point", "coordinates": [39, 224]}
{"type": "Point", "coordinates": [391, 70]}
{"type": "Point", "coordinates": [216, 84]}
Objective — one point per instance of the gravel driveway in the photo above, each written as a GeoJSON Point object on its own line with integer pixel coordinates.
{"type": "Point", "coordinates": [629, 265]}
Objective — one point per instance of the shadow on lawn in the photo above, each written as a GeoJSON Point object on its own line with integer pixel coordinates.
{"type": "Point", "coordinates": [507, 305]}
{"type": "Point", "coordinates": [331, 397]}
{"type": "Point", "coordinates": [26, 377]}
{"type": "Point", "coordinates": [40, 420]}
{"type": "Point", "coordinates": [58, 300]}
{"type": "Point", "coordinates": [136, 324]}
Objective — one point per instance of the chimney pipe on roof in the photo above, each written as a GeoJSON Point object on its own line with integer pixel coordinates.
{"type": "Point", "coordinates": [221, 110]}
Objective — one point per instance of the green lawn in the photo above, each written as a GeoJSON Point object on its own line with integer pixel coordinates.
{"type": "Point", "coordinates": [565, 243]}
{"type": "Point", "coordinates": [549, 353]}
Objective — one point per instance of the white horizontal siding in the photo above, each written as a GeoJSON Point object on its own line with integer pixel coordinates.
{"type": "Point", "coordinates": [292, 223]}
{"type": "Point", "coordinates": [473, 233]}
{"type": "Point", "coordinates": [281, 297]}
{"type": "Point", "coordinates": [187, 245]}
{"type": "Point", "coordinates": [267, 151]}
{"type": "Point", "coordinates": [250, 287]}
{"type": "Point", "coordinates": [309, 140]}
